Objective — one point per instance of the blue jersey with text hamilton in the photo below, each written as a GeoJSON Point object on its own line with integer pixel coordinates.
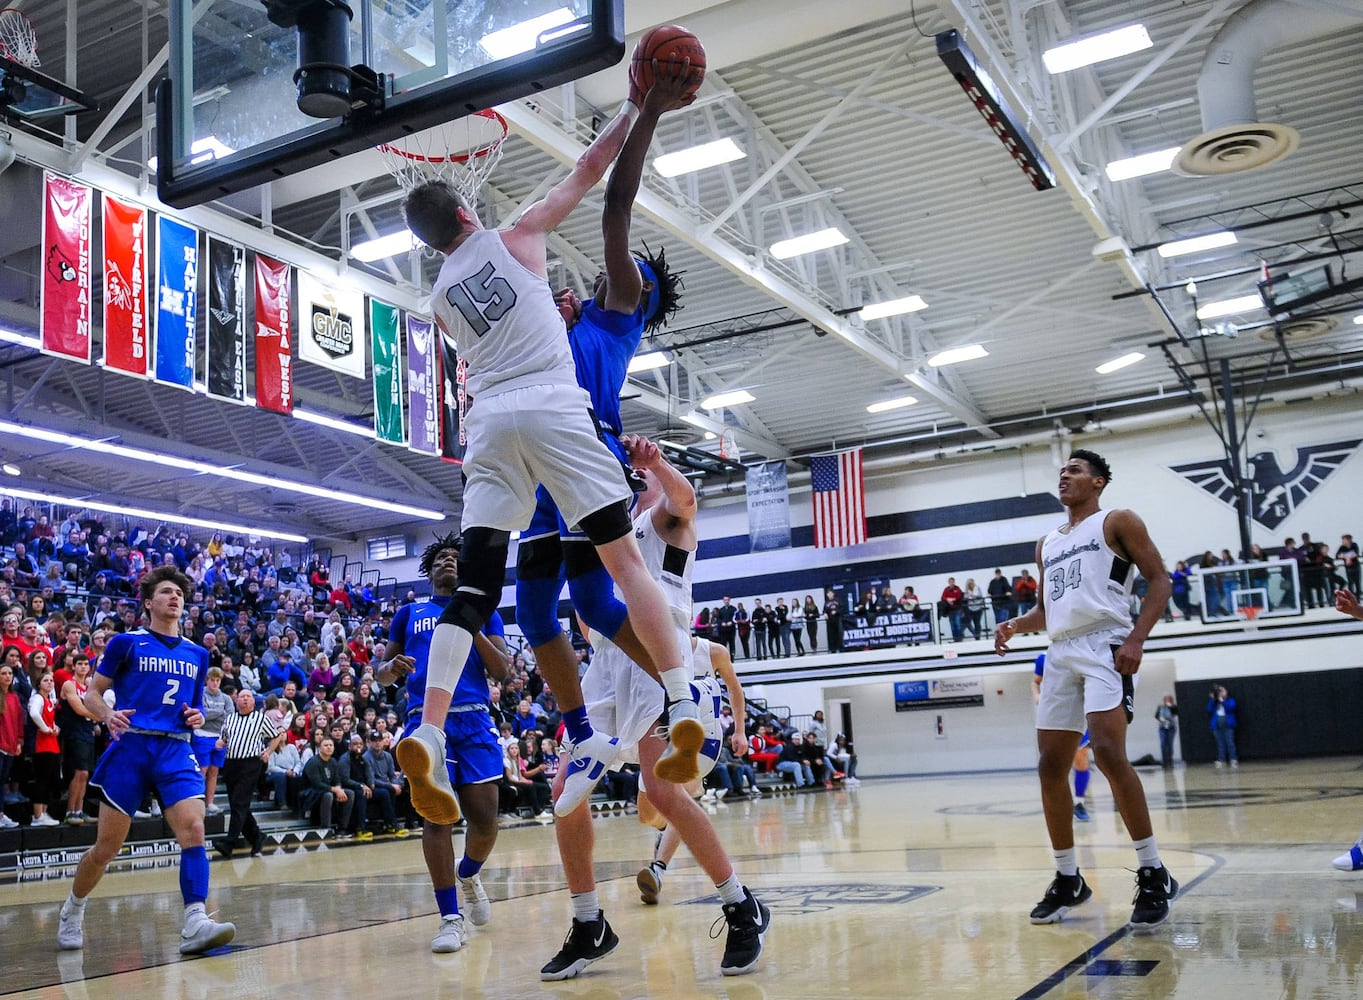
{"type": "Point", "coordinates": [157, 676]}
{"type": "Point", "coordinates": [415, 623]}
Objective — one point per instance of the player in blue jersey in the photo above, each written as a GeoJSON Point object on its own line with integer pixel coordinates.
{"type": "Point", "coordinates": [631, 296]}
{"type": "Point", "coordinates": [158, 678]}
{"type": "Point", "coordinates": [473, 757]}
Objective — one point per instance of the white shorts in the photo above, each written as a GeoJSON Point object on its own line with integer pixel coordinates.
{"type": "Point", "coordinates": [1081, 678]}
{"type": "Point", "coordinates": [524, 437]}
{"type": "Point", "coordinates": [626, 702]}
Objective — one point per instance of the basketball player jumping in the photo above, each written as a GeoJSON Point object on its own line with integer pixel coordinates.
{"type": "Point", "coordinates": [1083, 602]}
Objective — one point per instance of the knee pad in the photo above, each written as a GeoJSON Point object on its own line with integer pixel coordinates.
{"type": "Point", "coordinates": [593, 590]}
{"type": "Point", "coordinates": [539, 582]}
{"type": "Point", "coordinates": [482, 572]}
{"type": "Point", "coordinates": [607, 524]}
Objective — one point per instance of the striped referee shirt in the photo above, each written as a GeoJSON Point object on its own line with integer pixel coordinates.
{"type": "Point", "coordinates": [247, 735]}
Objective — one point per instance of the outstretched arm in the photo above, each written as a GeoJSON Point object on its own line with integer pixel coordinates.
{"type": "Point", "coordinates": [679, 496]}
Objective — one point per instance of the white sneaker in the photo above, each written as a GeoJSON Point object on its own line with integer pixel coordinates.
{"type": "Point", "coordinates": [422, 758]}
{"type": "Point", "coordinates": [6, 823]}
{"type": "Point", "coordinates": [71, 927]}
{"type": "Point", "coordinates": [709, 795]}
{"type": "Point", "coordinates": [213, 809]}
{"type": "Point", "coordinates": [45, 820]}
{"type": "Point", "coordinates": [451, 936]}
{"type": "Point", "coordinates": [590, 759]}
{"type": "Point", "coordinates": [680, 762]}
{"type": "Point", "coordinates": [205, 934]}
{"type": "Point", "coordinates": [143, 814]}
{"type": "Point", "coordinates": [476, 903]}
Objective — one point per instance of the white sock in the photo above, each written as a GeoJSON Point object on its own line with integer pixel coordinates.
{"type": "Point", "coordinates": [1066, 863]}
{"type": "Point", "coordinates": [450, 646]}
{"type": "Point", "coordinates": [586, 906]}
{"type": "Point", "coordinates": [731, 889]}
{"type": "Point", "coordinates": [1147, 853]}
{"type": "Point", "coordinates": [73, 904]}
{"type": "Point", "coordinates": [677, 683]}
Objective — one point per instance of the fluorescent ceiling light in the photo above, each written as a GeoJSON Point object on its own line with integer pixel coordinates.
{"type": "Point", "coordinates": [891, 404]}
{"type": "Point", "coordinates": [104, 446]}
{"type": "Point", "coordinates": [522, 37]}
{"type": "Point", "coordinates": [723, 399]}
{"type": "Point", "coordinates": [384, 246]}
{"type": "Point", "coordinates": [1231, 307]}
{"type": "Point", "coordinates": [1196, 244]}
{"type": "Point", "coordinates": [1097, 48]}
{"type": "Point", "coordinates": [1358, 320]}
{"type": "Point", "coordinates": [648, 361]}
{"type": "Point", "coordinates": [10, 469]}
{"type": "Point", "coordinates": [707, 154]}
{"type": "Point", "coordinates": [710, 435]}
{"type": "Point", "coordinates": [1117, 364]}
{"type": "Point", "coordinates": [335, 423]}
{"type": "Point", "coordinates": [808, 243]}
{"type": "Point", "coordinates": [970, 352]}
{"type": "Point", "coordinates": [155, 515]}
{"type": "Point", "coordinates": [895, 307]}
{"type": "Point", "coordinates": [1138, 166]}
{"type": "Point", "coordinates": [202, 150]}
{"type": "Point", "coordinates": [23, 339]}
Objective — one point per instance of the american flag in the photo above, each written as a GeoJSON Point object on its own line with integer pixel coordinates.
{"type": "Point", "coordinates": [839, 499]}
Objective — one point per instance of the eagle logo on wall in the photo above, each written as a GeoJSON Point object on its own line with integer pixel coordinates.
{"type": "Point", "coordinates": [1275, 494]}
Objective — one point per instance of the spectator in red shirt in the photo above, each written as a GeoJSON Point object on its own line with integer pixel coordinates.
{"type": "Point", "coordinates": [766, 749]}
{"type": "Point", "coordinates": [1024, 592]}
{"type": "Point", "coordinates": [953, 603]}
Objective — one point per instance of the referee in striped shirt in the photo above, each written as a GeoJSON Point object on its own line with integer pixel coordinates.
{"type": "Point", "coordinates": [249, 737]}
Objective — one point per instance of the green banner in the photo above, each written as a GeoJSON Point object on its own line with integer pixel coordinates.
{"type": "Point", "coordinates": [383, 327]}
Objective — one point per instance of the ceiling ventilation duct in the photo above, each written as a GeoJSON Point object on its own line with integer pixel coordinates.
{"type": "Point", "coordinates": [1233, 139]}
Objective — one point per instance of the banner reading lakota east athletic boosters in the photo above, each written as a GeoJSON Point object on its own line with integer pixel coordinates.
{"type": "Point", "coordinates": [126, 331]}
{"type": "Point", "coordinates": [383, 335]}
{"type": "Point", "coordinates": [177, 301]}
{"type": "Point", "coordinates": [226, 355]}
{"type": "Point", "coordinates": [274, 338]}
{"type": "Point", "coordinates": [64, 320]}
{"type": "Point", "coordinates": [423, 387]}
{"type": "Point", "coordinates": [331, 325]}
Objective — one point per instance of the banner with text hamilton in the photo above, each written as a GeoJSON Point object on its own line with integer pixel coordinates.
{"type": "Point", "coordinates": [177, 299]}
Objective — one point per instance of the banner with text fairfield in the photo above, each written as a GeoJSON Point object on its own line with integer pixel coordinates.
{"type": "Point", "coordinates": [768, 507]}
{"type": "Point", "coordinates": [64, 320]}
{"type": "Point", "coordinates": [177, 301]}
{"type": "Point", "coordinates": [225, 358]}
{"type": "Point", "coordinates": [274, 350]}
{"type": "Point", "coordinates": [383, 334]}
{"type": "Point", "coordinates": [330, 327]}
{"type": "Point", "coordinates": [423, 386]}
{"type": "Point", "coordinates": [126, 329]}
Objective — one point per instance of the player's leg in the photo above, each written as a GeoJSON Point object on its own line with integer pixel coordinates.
{"type": "Point", "coordinates": [1081, 779]}
{"type": "Point", "coordinates": [650, 878]}
{"type": "Point", "coordinates": [437, 847]}
{"type": "Point", "coordinates": [180, 785]}
{"type": "Point", "coordinates": [590, 937]}
{"type": "Point", "coordinates": [111, 832]}
{"type": "Point", "coordinates": [475, 772]}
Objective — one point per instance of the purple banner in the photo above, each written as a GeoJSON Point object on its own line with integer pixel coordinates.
{"type": "Point", "coordinates": [423, 386]}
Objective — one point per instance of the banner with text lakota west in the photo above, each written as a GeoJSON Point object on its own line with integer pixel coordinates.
{"type": "Point", "coordinates": [126, 330]}
{"type": "Point", "coordinates": [331, 325]}
{"type": "Point", "coordinates": [274, 338]}
{"type": "Point", "coordinates": [452, 403]}
{"type": "Point", "coordinates": [64, 321]}
{"type": "Point", "coordinates": [383, 335]}
{"type": "Point", "coordinates": [226, 355]}
{"type": "Point", "coordinates": [177, 301]}
{"type": "Point", "coordinates": [423, 386]}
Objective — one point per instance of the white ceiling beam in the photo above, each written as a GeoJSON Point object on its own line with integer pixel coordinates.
{"type": "Point", "coordinates": [664, 404]}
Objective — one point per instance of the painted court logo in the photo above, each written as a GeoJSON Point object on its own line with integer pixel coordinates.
{"type": "Point", "coordinates": [1275, 494]}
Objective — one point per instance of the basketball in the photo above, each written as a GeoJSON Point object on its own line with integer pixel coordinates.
{"type": "Point", "coordinates": [666, 43]}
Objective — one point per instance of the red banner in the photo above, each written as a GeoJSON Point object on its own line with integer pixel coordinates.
{"type": "Point", "coordinates": [125, 287]}
{"type": "Point", "coordinates": [274, 351]}
{"type": "Point", "coordinates": [65, 319]}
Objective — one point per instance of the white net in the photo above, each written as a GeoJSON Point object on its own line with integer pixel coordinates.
{"type": "Point", "coordinates": [462, 152]}
{"type": "Point", "coordinates": [17, 38]}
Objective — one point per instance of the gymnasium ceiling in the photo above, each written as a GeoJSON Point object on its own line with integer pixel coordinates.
{"type": "Point", "coordinates": [849, 119]}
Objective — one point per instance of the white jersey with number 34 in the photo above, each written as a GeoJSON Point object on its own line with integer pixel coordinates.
{"type": "Point", "coordinates": [1086, 586]}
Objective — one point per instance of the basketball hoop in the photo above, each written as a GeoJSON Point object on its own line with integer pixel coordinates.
{"type": "Point", "coordinates": [463, 152]}
{"type": "Point", "coordinates": [18, 41]}
{"type": "Point", "coordinates": [1249, 617]}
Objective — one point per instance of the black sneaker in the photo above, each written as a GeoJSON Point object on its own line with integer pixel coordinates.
{"type": "Point", "coordinates": [748, 922]}
{"type": "Point", "coordinates": [1155, 892]}
{"type": "Point", "coordinates": [1062, 895]}
{"type": "Point", "coordinates": [585, 943]}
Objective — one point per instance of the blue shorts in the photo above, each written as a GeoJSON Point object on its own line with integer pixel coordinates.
{"type": "Point", "coordinates": [207, 751]}
{"type": "Point", "coordinates": [136, 764]}
{"type": "Point", "coordinates": [472, 753]}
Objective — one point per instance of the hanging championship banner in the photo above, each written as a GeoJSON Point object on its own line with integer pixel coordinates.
{"type": "Point", "coordinates": [768, 507]}
{"type": "Point", "coordinates": [383, 335]}
{"type": "Point", "coordinates": [452, 403]}
{"type": "Point", "coordinates": [331, 331]}
{"type": "Point", "coordinates": [226, 356]}
{"type": "Point", "coordinates": [274, 349]}
{"type": "Point", "coordinates": [64, 321]}
{"type": "Point", "coordinates": [126, 342]}
{"type": "Point", "coordinates": [423, 386]}
{"type": "Point", "coordinates": [177, 300]}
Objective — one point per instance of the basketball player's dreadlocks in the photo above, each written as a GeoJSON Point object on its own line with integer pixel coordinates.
{"type": "Point", "coordinates": [669, 285]}
{"type": "Point", "coordinates": [441, 543]}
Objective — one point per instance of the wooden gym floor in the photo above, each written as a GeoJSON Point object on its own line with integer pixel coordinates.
{"type": "Point", "coordinates": [899, 888]}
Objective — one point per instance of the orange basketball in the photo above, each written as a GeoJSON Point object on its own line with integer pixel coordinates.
{"type": "Point", "coordinates": [666, 43]}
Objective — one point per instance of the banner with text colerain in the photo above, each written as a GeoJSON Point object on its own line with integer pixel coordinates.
{"type": "Point", "coordinates": [126, 330]}
{"type": "Point", "coordinates": [226, 355]}
{"type": "Point", "coordinates": [423, 387]}
{"type": "Point", "coordinates": [383, 336]}
{"type": "Point", "coordinates": [331, 325]}
{"type": "Point", "coordinates": [177, 300]}
{"type": "Point", "coordinates": [64, 320]}
{"type": "Point", "coordinates": [274, 337]}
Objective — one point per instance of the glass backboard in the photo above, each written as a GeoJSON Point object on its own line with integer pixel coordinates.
{"type": "Point", "coordinates": [229, 118]}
